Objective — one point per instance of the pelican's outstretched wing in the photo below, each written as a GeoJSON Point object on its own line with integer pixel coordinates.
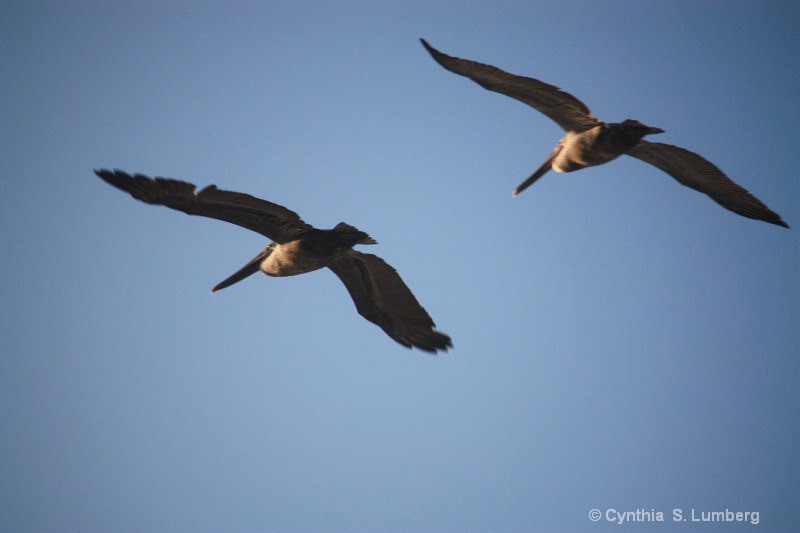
{"type": "Point", "coordinates": [271, 220]}
{"type": "Point", "coordinates": [561, 107]}
{"type": "Point", "coordinates": [382, 298]}
{"type": "Point", "coordinates": [701, 175]}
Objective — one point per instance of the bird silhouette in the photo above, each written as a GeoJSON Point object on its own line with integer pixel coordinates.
{"type": "Point", "coordinates": [591, 142]}
{"type": "Point", "coordinates": [377, 290]}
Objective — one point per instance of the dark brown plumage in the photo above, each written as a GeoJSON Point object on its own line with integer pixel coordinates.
{"type": "Point", "coordinates": [380, 295]}
{"type": "Point", "coordinates": [590, 141]}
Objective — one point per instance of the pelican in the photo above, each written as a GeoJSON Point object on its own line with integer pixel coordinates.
{"type": "Point", "coordinates": [377, 290]}
{"type": "Point", "coordinates": [590, 142]}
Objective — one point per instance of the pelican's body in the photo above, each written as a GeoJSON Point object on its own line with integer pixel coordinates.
{"type": "Point", "coordinates": [597, 145]}
{"type": "Point", "coordinates": [590, 142]}
{"type": "Point", "coordinates": [313, 250]}
{"type": "Point", "coordinates": [379, 294]}
{"type": "Point", "coordinates": [317, 249]}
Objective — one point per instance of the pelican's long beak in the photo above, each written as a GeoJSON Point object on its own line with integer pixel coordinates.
{"type": "Point", "coordinates": [250, 268]}
{"type": "Point", "coordinates": [539, 172]}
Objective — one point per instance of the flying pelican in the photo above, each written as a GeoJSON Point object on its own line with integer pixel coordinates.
{"type": "Point", "coordinates": [590, 142]}
{"type": "Point", "coordinates": [377, 290]}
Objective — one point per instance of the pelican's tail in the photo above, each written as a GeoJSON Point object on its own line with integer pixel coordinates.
{"type": "Point", "coordinates": [366, 239]}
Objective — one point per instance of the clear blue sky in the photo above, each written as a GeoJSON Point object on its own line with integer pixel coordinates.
{"type": "Point", "coordinates": [621, 341]}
